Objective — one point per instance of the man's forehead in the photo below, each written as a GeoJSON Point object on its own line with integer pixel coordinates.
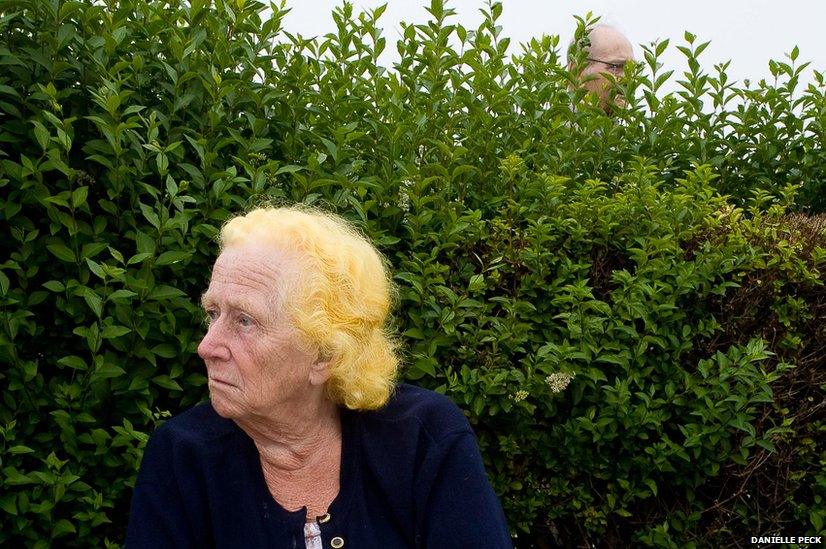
{"type": "Point", "coordinates": [609, 41]}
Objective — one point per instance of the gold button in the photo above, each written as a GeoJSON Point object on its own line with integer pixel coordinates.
{"type": "Point", "coordinates": [337, 542]}
{"type": "Point", "coordinates": [324, 518]}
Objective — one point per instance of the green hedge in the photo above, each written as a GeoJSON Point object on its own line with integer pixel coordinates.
{"type": "Point", "coordinates": [626, 308]}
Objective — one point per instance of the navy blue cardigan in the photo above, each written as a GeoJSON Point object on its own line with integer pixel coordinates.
{"type": "Point", "coordinates": [411, 476]}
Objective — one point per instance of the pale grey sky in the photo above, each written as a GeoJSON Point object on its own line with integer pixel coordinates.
{"type": "Point", "coordinates": [748, 32]}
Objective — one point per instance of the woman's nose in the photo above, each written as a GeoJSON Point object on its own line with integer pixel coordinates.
{"type": "Point", "coordinates": [214, 344]}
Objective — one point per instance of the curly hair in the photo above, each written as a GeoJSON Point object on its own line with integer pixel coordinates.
{"type": "Point", "coordinates": [343, 297]}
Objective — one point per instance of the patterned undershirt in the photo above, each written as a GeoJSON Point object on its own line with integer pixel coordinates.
{"type": "Point", "coordinates": [312, 535]}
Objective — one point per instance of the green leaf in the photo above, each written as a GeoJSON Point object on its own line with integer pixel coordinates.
{"type": "Point", "coordinates": [110, 332]}
{"type": "Point", "coordinates": [107, 371]}
{"type": "Point", "coordinates": [145, 244]}
{"type": "Point", "coordinates": [292, 168]}
{"type": "Point", "coordinates": [115, 254]}
{"type": "Point", "coordinates": [16, 478]}
{"type": "Point", "coordinates": [20, 450]}
{"type": "Point", "coordinates": [171, 257]}
{"type": "Point", "coordinates": [41, 134]}
{"type": "Point", "coordinates": [162, 162]}
{"type": "Point", "coordinates": [121, 294]}
{"type": "Point", "coordinates": [54, 285]}
{"type": "Point", "coordinates": [167, 383]}
{"type": "Point", "coordinates": [79, 196]}
{"type": "Point", "coordinates": [138, 384]}
{"type": "Point", "coordinates": [414, 333]}
{"type": "Point", "coordinates": [816, 517]}
{"type": "Point", "coordinates": [171, 186]}
{"type": "Point", "coordinates": [73, 361]}
{"type": "Point", "coordinates": [478, 405]}
{"type": "Point", "coordinates": [94, 301]}
{"type": "Point", "coordinates": [9, 90]}
{"type": "Point", "coordinates": [29, 370]}
{"type": "Point", "coordinates": [95, 268]}
{"type": "Point", "coordinates": [138, 258]}
{"type": "Point", "coordinates": [8, 503]}
{"type": "Point", "coordinates": [92, 249]}
{"type": "Point", "coordinates": [161, 293]}
{"type": "Point", "coordinates": [62, 252]}
{"type": "Point", "coordinates": [164, 350]}
{"type": "Point", "coordinates": [422, 367]}
{"type": "Point", "coordinates": [150, 215]}
{"type": "Point", "coordinates": [63, 527]}
{"type": "Point", "coordinates": [331, 148]}
{"type": "Point", "coordinates": [476, 283]}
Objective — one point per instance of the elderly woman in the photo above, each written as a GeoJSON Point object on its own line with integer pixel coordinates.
{"type": "Point", "coordinates": [306, 440]}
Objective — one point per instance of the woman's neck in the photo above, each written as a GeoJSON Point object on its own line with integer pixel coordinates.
{"type": "Point", "coordinates": [290, 434]}
{"type": "Point", "coordinates": [291, 453]}
{"type": "Point", "coordinates": [300, 456]}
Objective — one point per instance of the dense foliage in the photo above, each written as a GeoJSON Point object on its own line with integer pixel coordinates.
{"type": "Point", "coordinates": [626, 307]}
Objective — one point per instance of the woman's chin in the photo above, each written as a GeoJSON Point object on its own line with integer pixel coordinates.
{"type": "Point", "coordinates": [223, 406]}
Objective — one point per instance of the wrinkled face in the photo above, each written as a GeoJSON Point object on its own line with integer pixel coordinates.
{"type": "Point", "coordinates": [609, 53]}
{"type": "Point", "coordinates": [256, 362]}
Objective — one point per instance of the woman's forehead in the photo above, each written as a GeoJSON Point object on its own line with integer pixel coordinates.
{"type": "Point", "coordinates": [251, 270]}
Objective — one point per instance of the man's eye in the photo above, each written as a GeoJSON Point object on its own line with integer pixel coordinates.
{"type": "Point", "coordinates": [245, 321]}
{"type": "Point", "coordinates": [211, 315]}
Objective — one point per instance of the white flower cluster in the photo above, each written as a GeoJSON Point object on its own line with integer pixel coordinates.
{"type": "Point", "coordinates": [404, 202]}
{"type": "Point", "coordinates": [418, 160]}
{"type": "Point", "coordinates": [519, 396]}
{"type": "Point", "coordinates": [404, 198]}
{"type": "Point", "coordinates": [558, 381]}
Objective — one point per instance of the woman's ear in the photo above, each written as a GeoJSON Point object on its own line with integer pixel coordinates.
{"type": "Point", "coordinates": [320, 370]}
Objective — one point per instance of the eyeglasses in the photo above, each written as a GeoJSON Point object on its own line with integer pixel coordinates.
{"type": "Point", "coordinates": [613, 67]}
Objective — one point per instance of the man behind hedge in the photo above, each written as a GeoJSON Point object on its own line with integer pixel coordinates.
{"type": "Point", "coordinates": [604, 53]}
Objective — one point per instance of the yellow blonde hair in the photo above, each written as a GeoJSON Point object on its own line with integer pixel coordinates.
{"type": "Point", "coordinates": [343, 300]}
